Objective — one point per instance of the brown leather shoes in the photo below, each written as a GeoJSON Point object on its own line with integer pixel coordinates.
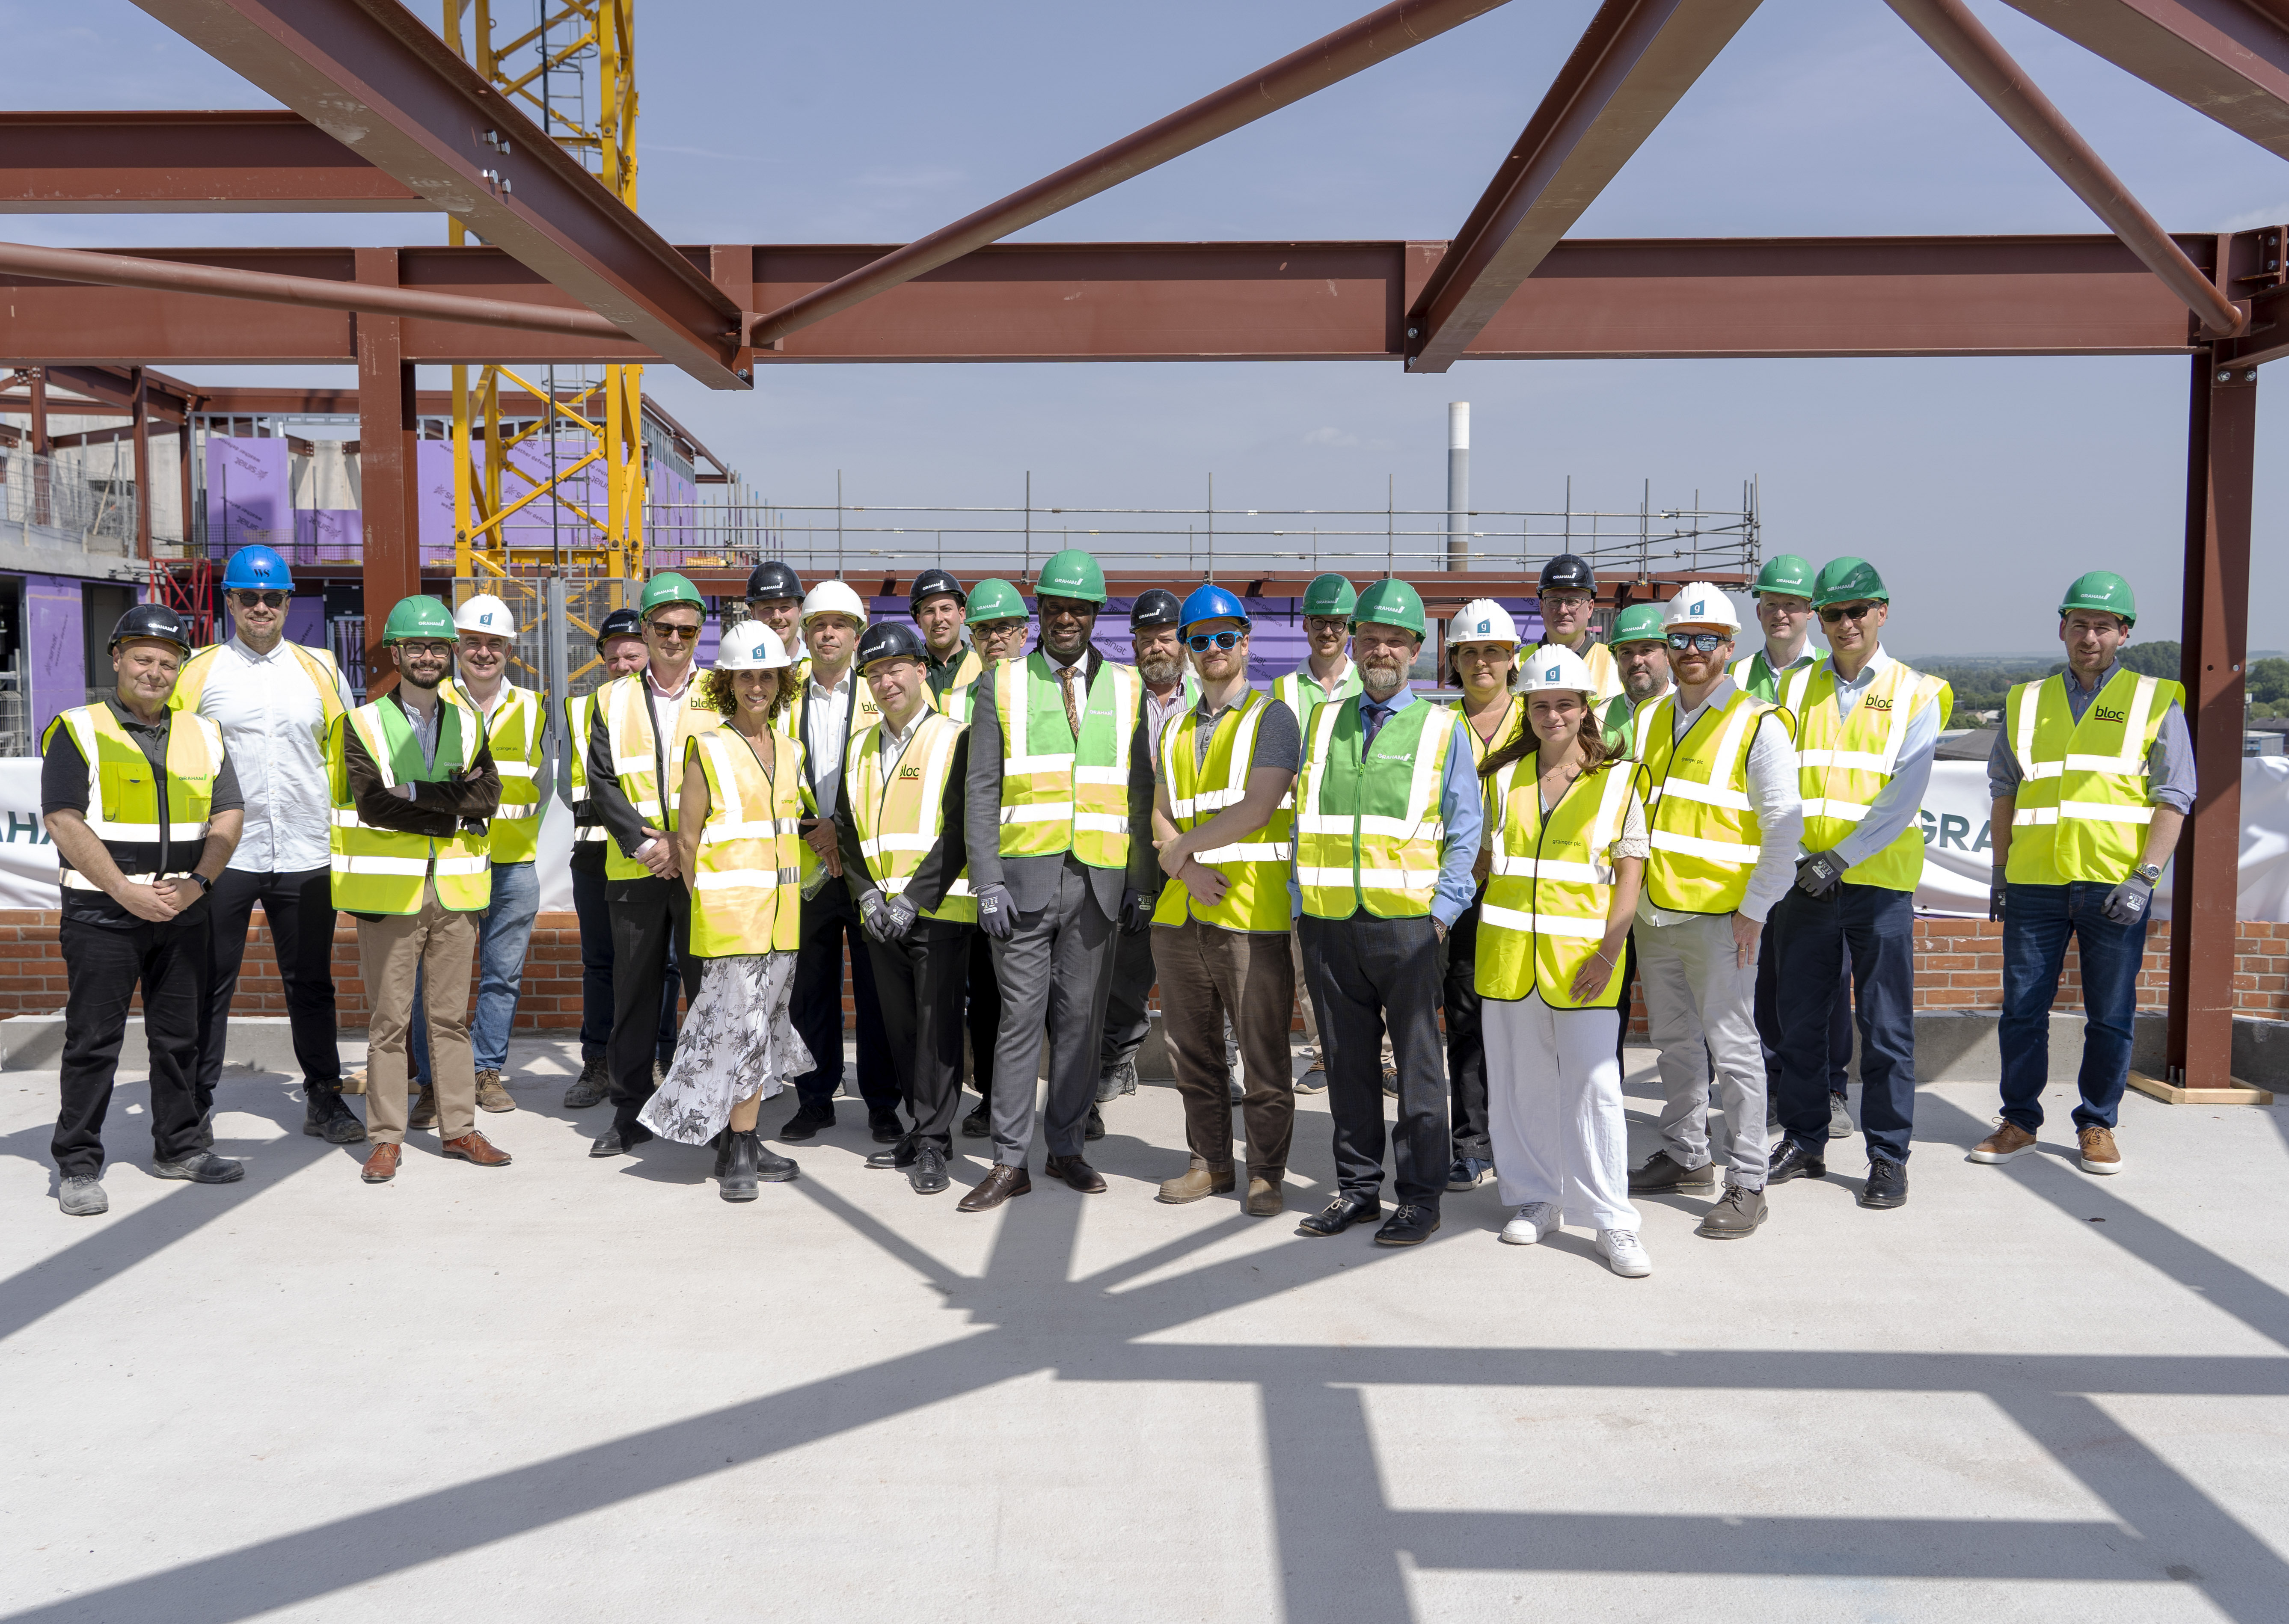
{"type": "Point", "coordinates": [1076, 1172]}
{"type": "Point", "coordinates": [474, 1147]}
{"type": "Point", "coordinates": [997, 1187]}
{"type": "Point", "coordinates": [1267, 1197]}
{"type": "Point", "coordinates": [2007, 1143]}
{"type": "Point", "coordinates": [2100, 1154]}
{"type": "Point", "coordinates": [424, 1113]}
{"type": "Point", "coordinates": [1196, 1183]}
{"type": "Point", "coordinates": [381, 1166]}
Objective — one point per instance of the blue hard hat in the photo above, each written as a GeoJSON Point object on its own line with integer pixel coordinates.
{"type": "Point", "coordinates": [1212, 603]}
{"type": "Point", "coordinates": [253, 568]}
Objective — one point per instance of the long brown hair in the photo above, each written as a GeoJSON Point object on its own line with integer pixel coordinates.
{"type": "Point", "coordinates": [717, 694]}
{"type": "Point", "coordinates": [1594, 753]}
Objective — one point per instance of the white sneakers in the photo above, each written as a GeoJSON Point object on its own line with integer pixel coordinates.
{"type": "Point", "coordinates": [1534, 1220]}
{"type": "Point", "coordinates": [1625, 1253]}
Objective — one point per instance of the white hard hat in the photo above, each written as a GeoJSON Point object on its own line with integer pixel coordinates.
{"type": "Point", "coordinates": [487, 614]}
{"type": "Point", "coordinates": [833, 597]}
{"type": "Point", "coordinates": [1482, 620]}
{"type": "Point", "coordinates": [752, 646]}
{"type": "Point", "coordinates": [1701, 604]}
{"type": "Point", "coordinates": [1552, 668]}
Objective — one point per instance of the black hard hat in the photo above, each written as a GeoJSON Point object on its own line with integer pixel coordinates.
{"type": "Point", "coordinates": [890, 639]}
{"type": "Point", "coordinates": [1157, 607]}
{"type": "Point", "coordinates": [936, 584]}
{"type": "Point", "coordinates": [619, 623]}
{"type": "Point", "coordinates": [152, 620]}
{"type": "Point", "coordinates": [773, 580]}
{"type": "Point", "coordinates": [1568, 572]}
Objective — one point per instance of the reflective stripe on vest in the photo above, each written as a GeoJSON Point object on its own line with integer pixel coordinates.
{"type": "Point", "coordinates": [385, 871]}
{"type": "Point", "coordinates": [1755, 676]}
{"type": "Point", "coordinates": [1369, 831]}
{"type": "Point", "coordinates": [2085, 789]}
{"type": "Point", "coordinates": [900, 819]}
{"type": "Point", "coordinates": [1843, 763]}
{"type": "Point", "coordinates": [1059, 795]}
{"type": "Point", "coordinates": [746, 895]}
{"type": "Point", "coordinates": [629, 735]}
{"type": "Point", "coordinates": [122, 788]}
{"type": "Point", "coordinates": [1702, 825]}
{"type": "Point", "coordinates": [1299, 690]}
{"type": "Point", "coordinates": [517, 736]}
{"type": "Point", "coordinates": [1255, 866]}
{"type": "Point", "coordinates": [967, 671]}
{"type": "Point", "coordinates": [1552, 887]}
{"type": "Point", "coordinates": [576, 761]}
{"type": "Point", "coordinates": [191, 682]}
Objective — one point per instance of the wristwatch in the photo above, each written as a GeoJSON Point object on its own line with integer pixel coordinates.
{"type": "Point", "coordinates": [206, 886]}
{"type": "Point", "coordinates": [2150, 872]}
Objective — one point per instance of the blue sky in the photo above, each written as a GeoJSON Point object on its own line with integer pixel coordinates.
{"type": "Point", "coordinates": [1978, 486]}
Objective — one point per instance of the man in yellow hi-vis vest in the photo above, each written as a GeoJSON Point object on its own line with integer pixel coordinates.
{"type": "Point", "coordinates": [2093, 776]}
{"type": "Point", "coordinates": [414, 786]}
{"type": "Point", "coordinates": [143, 806]}
{"type": "Point", "coordinates": [1865, 740]}
{"type": "Point", "coordinates": [1059, 831]}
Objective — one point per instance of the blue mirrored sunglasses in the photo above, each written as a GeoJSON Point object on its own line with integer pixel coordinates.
{"type": "Point", "coordinates": [1212, 639]}
{"type": "Point", "coordinates": [1697, 642]}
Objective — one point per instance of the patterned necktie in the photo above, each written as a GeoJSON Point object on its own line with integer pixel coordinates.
{"type": "Point", "coordinates": [1374, 716]}
{"type": "Point", "coordinates": [1072, 711]}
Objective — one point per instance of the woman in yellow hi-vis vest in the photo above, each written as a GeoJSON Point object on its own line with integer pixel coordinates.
{"type": "Point", "coordinates": [1566, 839]}
{"type": "Point", "coordinates": [737, 836]}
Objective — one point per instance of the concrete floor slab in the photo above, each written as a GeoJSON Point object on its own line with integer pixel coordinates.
{"type": "Point", "coordinates": [576, 1389]}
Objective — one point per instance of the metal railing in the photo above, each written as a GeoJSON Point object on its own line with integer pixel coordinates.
{"type": "Point", "coordinates": [52, 500]}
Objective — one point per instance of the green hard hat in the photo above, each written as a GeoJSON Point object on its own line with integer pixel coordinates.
{"type": "Point", "coordinates": [994, 599]}
{"type": "Point", "coordinates": [1330, 596]}
{"type": "Point", "coordinates": [2102, 589]}
{"type": "Point", "coordinates": [1071, 574]}
{"type": "Point", "coordinates": [1390, 603]}
{"type": "Point", "coordinates": [1785, 574]}
{"type": "Point", "coordinates": [1640, 623]}
{"type": "Point", "coordinates": [424, 617]}
{"type": "Point", "coordinates": [668, 587]}
{"type": "Point", "coordinates": [1848, 580]}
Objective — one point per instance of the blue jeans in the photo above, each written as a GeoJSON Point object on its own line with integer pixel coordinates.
{"type": "Point", "coordinates": [504, 932]}
{"type": "Point", "coordinates": [1877, 927]}
{"type": "Point", "coordinates": [2036, 922]}
{"type": "Point", "coordinates": [596, 972]}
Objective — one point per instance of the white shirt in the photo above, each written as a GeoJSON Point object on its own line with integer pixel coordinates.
{"type": "Point", "coordinates": [825, 732]}
{"type": "Point", "coordinates": [270, 718]}
{"type": "Point", "coordinates": [1780, 812]}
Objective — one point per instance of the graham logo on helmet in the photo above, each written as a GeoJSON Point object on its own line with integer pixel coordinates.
{"type": "Point", "coordinates": [1553, 673]}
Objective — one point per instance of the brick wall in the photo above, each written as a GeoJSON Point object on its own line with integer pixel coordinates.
{"type": "Point", "coordinates": [1958, 965]}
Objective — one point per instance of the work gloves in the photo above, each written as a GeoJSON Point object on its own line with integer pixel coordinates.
{"type": "Point", "coordinates": [997, 910]}
{"type": "Point", "coordinates": [1135, 912]}
{"type": "Point", "coordinates": [1818, 876]}
{"type": "Point", "coordinates": [887, 920]}
{"type": "Point", "coordinates": [2126, 903]}
{"type": "Point", "coordinates": [1995, 889]}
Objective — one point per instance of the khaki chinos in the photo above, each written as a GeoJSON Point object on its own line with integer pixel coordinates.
{"type": "Point", "coordinates": [441, 945]}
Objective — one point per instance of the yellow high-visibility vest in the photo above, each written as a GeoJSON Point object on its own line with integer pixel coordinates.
{"type": "Point", "coordinates": [1369, 830]}
{"type": "Point", "coordinates": [2085, 791]}
{"type": "Point", "coordinates": [901, 817]}
{"type": "Point", "coordinates": [316, 663]}
{"type": "Point", "coordinates": [515, 731]}
{"type": "Point", "coordinates": [1702, 825]}
{"type": "Point", "coordinates": [628, 733]}
{"type": "Point", "coordinates": [1597, 655]}
{"type": "Point", "coordinates": [576, 755]}
{"type": "Point", "coordinates": [747, 893]}
{"type": "Point", "coordinates": [1059, 793]}
{"type": "Point", "coordinates": [385, 871]}
{"type": "Point", "coordinates": [967, 670]}
{"type": "Point", "coordinates": [1843, 763]}
{"type": "Point", "coordinates": [1255, 866]}
{"type": "Point", "coordinates": [122, 790]}
{"type": "Point", "coordinates": [1552, 889]}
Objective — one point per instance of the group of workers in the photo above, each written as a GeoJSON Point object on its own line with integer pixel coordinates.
{"type": "Point", "coordinates": [1017, 844]}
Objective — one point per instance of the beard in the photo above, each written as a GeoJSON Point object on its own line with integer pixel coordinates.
{"type": "Point", "coordinates": [1380, 679]}
{"type": "Point", "coordinates": [425, 681]}
{"type": "Point", "coordinates": [1641, 688]}
{"type": "Point", "coordinates": [1161, 670]}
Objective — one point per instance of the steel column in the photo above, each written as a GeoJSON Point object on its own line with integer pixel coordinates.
{"type": "Point", "coordinates": [184, 443]}
{"type": "Point", "coordinates": [142, 426]}
{"type": "Point", "coordinates": [389, 487]}
{"type": "Point", "coordinates": [2221, 460]}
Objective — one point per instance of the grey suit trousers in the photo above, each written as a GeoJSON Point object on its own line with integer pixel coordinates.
{"type": "Point", "coordinates": [1057, 963]}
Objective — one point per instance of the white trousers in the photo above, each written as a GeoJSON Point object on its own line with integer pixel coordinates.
{"type": "Point", "coordinates": [1554, 1110]}
{"type": "Point", "coordinates": [1700, 1006]}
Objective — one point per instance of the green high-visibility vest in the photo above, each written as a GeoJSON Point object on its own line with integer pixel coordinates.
{"type": "Point", "coordinates": [385, 871]}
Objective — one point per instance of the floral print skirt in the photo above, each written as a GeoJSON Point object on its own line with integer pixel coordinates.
{"type": "Point", "coordinates": [737, 1039]}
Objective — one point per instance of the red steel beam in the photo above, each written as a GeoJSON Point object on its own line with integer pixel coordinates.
{"type": "Point", "coordinates": [255, 160]}
{"type": "Point", "coordinates": [1977, 58]}
{"type": "Point", "coordinates": [1634, 63]}
{"type": "Point", "coordinates": [2227, 59]}
{"type": "Point", "coordinates": [1378, 36]}
{"type": "Point", "coordinates": [374, 76]}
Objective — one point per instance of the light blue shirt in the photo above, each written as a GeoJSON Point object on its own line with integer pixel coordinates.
{"type": "Point", "coordinates": [1461, 807]}
{"type": "Point", "coordinates": [1898, 804]}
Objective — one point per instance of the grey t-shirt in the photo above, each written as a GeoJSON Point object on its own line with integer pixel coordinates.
{"type": "Point", "coordinates": [1279, 739]}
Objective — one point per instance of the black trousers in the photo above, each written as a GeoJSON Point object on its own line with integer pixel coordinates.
{"type": "Point", "coordinates": [1466, 1049]}
{"type": "Point", "coordinates": [1768, 1023]}
{"type": "Point", "coordinates": [1127, 1020]}
{"type": "Point", "coordinates": [830, 920]}
{"type": "Point", "coordinates": [597, 1008]}
{"type": "Point", "coordinates": [104, 967]}
{"type": "Point", "coordinates": [651, 921]}
{"type": "Point", "coordinates": [299, 910]}
{"type": "Point", "coordinates": [985, 1013]}
{"type": "Point", "coordinates": [1873, 929]}
{"type": "Point", "coordinates": [920, 981]}
{"type": "Point", "coordinates": [1373, 977]}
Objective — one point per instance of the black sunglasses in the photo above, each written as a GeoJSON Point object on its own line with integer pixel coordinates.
{"type": "Point", "coordinates": [1207, 640]}
{"type": "Point", "coordinates": [267, 600]}
{"type": "Point", "coordinates": [1697, 642]}
{"type": "Point", "coordinates": [1835, 612]}
{"type": "Point", "coordinates": [669, 630]}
